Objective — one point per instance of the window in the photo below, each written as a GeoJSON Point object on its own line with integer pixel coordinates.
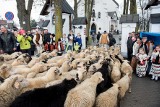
{"type": "Point", "coordinates": [93, 2]}
{"type": "Point", "coordinates": [93, 13]}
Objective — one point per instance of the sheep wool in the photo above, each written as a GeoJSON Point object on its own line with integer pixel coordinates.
{"type": "Point", "coordinates": [84, 94]}
{"type": "Point", "coordinates": [108, 98]}
{"type": "Point", "coordinates": [124, 83]}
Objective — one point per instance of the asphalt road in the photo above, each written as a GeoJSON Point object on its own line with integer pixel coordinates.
{"type": "Point", "coordinates": [145, 93]}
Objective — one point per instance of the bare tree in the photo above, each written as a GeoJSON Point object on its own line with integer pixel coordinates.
{"type": "Point", "coordinates": [24, 12]}
{"type": "Point", "coordinates": [124, 7]}
{"type": "Point", "coordinates": [76, 3]}
{"type": "Point", "coordinates": [127, 6]}
{"type": "Point", "coordinates": [133, 7]}
{"type": "Point", "coordinates": [88, 14]}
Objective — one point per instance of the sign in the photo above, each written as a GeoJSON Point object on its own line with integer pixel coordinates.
{"type": "Point", "coordinates": [9, 15]}
{"type": "Point", "coordinates": [9, 21]}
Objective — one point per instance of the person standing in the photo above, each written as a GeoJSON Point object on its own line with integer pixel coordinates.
{"type": "Point", "coordinates": [155, 68]}
{"type": "Point", "coordinates": [65, 41]}
{"type": "Point", "coordinates": [93, 37]}
{"type": "Point", "coordinates": [46, 37]}
{"type": "Point", "coordinates": [71, 41]}
{"type": "Point", "coordinates": [112, 40]}
{"type": "Point", "coordinates": [37, 39]}
{"type": "Point", "coordinates": [129, 46]}
{"type": "Point", "coordinates": [142, 63]}
{"type": "Point", "coordinates": [136, 46]}
{"type": "Point", "coordinates": [98, 37]}
{"type": "Point", "coordinates": [79, 40]}
{"type": "Point", "coordinates": [104, 39]}
{"type": "Point", "coordinates": [25, 42]}
{"type": "Point", "coordinates": [7, 41]}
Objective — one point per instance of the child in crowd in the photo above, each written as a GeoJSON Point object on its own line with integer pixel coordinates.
{"type": "Point", "coordinates": [142, 63]}
{"type": "Point", "coordinates": [59, 46]}
{"type": "Point", "coordinates": [155, 68]}
{"type": "Point", "coordinates": [76, 47]}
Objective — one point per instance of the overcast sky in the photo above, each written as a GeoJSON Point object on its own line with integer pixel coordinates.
{"type": "Point", "coordinates": [10, 5]}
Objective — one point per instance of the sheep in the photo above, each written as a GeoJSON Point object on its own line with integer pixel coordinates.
{"type": "Point", "coordinates": [22, 59]}
{"type": "Point", "coordinates": [126, 68]}
{"type": "Point", "coordinates": [54, 59]}
{"type": "Point", "coordinates": [124, 83]}
{"type": "Point", "coordinates": [53, 96]}
{"type": "Point", "coordinates": [107, 83]}
{"type": "Point", "coordinates": [66, 66]}
{"type": "Point", "coordinates": [115, 73]}
{"type": "Point", "coordinates": [108, 98]}
{"type": "Point", "coordinates": [52, 74]}
{"type": "Point", "coordinates": [37, 68]}
{"type": "Point", "coordinates": [96, 66]}
{"type": "Point", "coordinates": [9, 90]}
{"type": "Point", "coordinates": [77, 74]}
{"type": "Point", "coordinates": [84, 94]}
{"type": "Point", "coordinates": [36, 60]}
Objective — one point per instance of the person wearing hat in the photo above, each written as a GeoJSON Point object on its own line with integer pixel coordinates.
{"type": "Point", "coordinates": [104, 39]}
{"type": "Point", "coordinates": [24, 41]}
{"type": "Point", "coordinates": [7, 41]}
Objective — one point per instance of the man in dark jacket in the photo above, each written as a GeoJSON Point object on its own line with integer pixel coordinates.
{"type": "Point", "coordinates": [112, 40]}
{"type": "Point", "coordinates": [46, 37]}
{"type": "Point", "coordinates": [98, 36]}
{"type": "Point", "coordinates": [130, 46]}
{"type": "Point", "coordinates": [7, 41]}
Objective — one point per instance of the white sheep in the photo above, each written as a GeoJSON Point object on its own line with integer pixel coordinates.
{"type": "Point", "coordinates": [108, 98]}
{"type": "Point", "coordinates": [96, 66]}
{"type": "Point", "coordinates": [84, 94]}
{"type": "Point", "coordinates": [52, 74]}
{"type": "Point", "coordinates": [124, 83]}
{"type": "Point", "coordinates": [115, 73]}
{"type": "Point", "coordinates": [9, 90]}
{"type": "Point", "coordinates": [126, 68]}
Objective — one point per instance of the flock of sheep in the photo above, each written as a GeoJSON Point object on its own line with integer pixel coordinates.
{"type": "Point", "coordinates": [95, 77]}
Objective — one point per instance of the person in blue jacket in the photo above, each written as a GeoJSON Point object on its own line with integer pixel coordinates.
{"type": "Point", "coordinates": [79, 40]}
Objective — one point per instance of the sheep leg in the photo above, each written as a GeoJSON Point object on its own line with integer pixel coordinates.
{"type": "Point", "coordinates": [130, 86]}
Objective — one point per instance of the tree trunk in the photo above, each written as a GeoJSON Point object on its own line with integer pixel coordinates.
{"type": "Point", "coordinates": [124, 7]}
{"type": "Point", "coordinates": [88, 14]}
{"type": "Point", "coordinates": [133, 7]}
{"type": "Point", "coordinates": [127, 6]}
{"type": "Point", "coordinates": [24, 14]}
{"type": "Point", "coordinates": [75, 8]}
{"type": "Point", "coordinates": [58, 20]}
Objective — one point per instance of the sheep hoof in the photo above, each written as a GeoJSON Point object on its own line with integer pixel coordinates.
{"type": "Point", "coordinates": [129, 91]}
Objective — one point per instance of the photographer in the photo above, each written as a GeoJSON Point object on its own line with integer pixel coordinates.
{"type": "Point", "coordinates": [25, 42]}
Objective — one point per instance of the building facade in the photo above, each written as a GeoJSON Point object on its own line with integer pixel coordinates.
{"type": "Point", "coordinates": [49, 13]}
{"type": "Point", "coordinates": [104, 15]}
{"type": "Point", "coordinates": [154, 8]}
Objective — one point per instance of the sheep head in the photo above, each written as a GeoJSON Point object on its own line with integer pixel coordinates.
{"type": "Point", "coordinates": [5, 70]}
{"type": "Point", "coordinates": [98, 76]}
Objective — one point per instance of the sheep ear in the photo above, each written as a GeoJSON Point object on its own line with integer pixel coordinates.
{"type": "Point", "coordinates": [16, 85]}
{"type": "Point", "coordinates": [3, 67]}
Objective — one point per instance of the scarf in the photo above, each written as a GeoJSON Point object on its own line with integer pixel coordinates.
{"type": "Point", "coordinates": [37, 38]}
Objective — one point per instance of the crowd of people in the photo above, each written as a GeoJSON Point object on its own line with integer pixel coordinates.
{"type": "Point", "coordinates": [144, 56]}
{"type": "Point", "coordinates": [36, 42]}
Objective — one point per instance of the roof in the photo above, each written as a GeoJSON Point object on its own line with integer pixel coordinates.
{"type": "Point", "coordinates": [3, 22]}
{"type": "Point", "coordinates": [111, 14]}
{"type": "Point", "coordinates": [155, 18]}
{"type": "Point", "coordinates": [80, 21]}
{"type": "Point", "coordinates": [46, 22]}
{"type": "Point", "coordinates": [115, 2]}
{"type": "Point", "coordinates": [132, 18]}
{"type": "Point", "coordinates": [66, 8]}
{"type": "Point", "coordinates": [152, 3]}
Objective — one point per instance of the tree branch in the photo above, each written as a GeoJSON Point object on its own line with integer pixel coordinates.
{"type": "Point", "coordinates": [30, 3]}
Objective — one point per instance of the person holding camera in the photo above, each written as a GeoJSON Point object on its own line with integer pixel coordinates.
{"type": "Point", "coordinates": [25, 42]}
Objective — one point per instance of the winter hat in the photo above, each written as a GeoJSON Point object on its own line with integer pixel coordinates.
{"type": "Point", "coordinates": [21, 32]}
